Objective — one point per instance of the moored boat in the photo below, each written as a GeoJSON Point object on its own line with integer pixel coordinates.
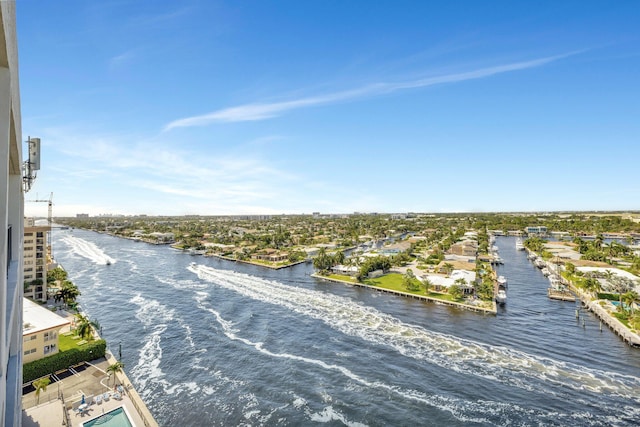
{"type": "Point", "coordinates": [502, 282]}
{"type": "Point", "coordinates": [501, 296]}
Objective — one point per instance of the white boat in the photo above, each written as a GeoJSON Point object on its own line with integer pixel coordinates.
{"type": "Point", "coordinates": [502, 281]}
{"type": "Point", "coordinates": [501, 296]}
{"type": "Point", "coordinates": [519, 244]}
{"type": "Point", "coordinates": [194, 251]}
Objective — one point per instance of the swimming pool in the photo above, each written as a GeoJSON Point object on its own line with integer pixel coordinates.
{"type": "Point", "coordinates": [115, 418]}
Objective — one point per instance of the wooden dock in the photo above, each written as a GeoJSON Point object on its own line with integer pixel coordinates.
{"type": "Point", "coordinates": [560, 295]}
{"type": "Point", "coordinates": [605, 317]}
{"type": "Point", "coordinates": [614, 324]}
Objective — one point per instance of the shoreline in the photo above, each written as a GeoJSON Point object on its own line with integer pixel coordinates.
{"type": "Point", "coordinates": [593, 305]}
{"type": "Point", "coordinates": [132, 393]}
{"type": "Point", "coordinates": [473, 308]}
{"type": "Point", "coordinates": [273, 267]}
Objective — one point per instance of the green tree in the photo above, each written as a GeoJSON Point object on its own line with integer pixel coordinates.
{"type": "Point", "coordinates": [455, 291]}
{"type": "Point", "coordinates": [67, 293]}
{"type": "Point", "coordinates": [410, 282]}
{"type": "Point", "coordinates": [115, 368]}
{"type": "Point", "coordinates": [85, 327]}
{"type": "Point", "coordinates": [592, 285]}
{"type": "Point", "coordinates": [427, 285]}
{"type": "Point", "coordinates": [322, 261]}
{"type": "Point", "coordinates": [628, 298]}
{"type": "Point", "coordinates": [448, 268]}
{"type": "Point", "coordinates": [569, 267]}
{"type": "Point", "coordinates": [41, 385]}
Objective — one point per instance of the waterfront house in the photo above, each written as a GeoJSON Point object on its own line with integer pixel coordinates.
{"type": "Point", "coordinates": [539, 230]}
{"type": "Point", "coordinates": [345, 270]}
{"type": "Point", "coordinates": [271, 255]}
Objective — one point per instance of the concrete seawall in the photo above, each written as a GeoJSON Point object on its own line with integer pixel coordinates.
{"type": "Point", "coordinates": [135, 398]}
{"type": "Point", "coordinates": [483, 310]}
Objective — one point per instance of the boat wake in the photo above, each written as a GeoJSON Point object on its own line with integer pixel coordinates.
{"type": "Point", "coordinates": [87, 250]}
{"type": "Point", "coordinates": [507, 366]}
{"type": "Point", "coordinates": [466, 411]}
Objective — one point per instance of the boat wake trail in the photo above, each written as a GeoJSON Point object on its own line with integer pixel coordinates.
{"type": "Point", "coordinates": [466, 411]}
{"type": "Point", "coordinates": [88, 250]}
{"type": "Point", "coordinates": [504, 365]}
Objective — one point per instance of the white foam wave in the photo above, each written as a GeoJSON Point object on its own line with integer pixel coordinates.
{"type": "Point", "coordinates": [501, 364]}
{"type": "Point", "coordinates": [330, 414]}
{"type": "Point", "coordinates": [87, 250]}
{"type": "Point", "coordinates": [462, 410]}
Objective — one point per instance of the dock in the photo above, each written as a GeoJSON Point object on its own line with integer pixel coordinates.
{"type": "Point", "coordinates": [560, 295]}
{"type": "Point", "coordinates": [614, 324]}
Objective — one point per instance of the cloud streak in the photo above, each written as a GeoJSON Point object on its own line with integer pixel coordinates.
{"type": "Point", "coordinates": [263, 111]}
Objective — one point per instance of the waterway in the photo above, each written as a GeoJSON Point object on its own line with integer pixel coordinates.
{"type": "Point", "coordinates": [212, 342]}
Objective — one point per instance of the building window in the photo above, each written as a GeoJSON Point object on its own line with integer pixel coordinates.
{"type": "Point", "coordinates": [46, 349]}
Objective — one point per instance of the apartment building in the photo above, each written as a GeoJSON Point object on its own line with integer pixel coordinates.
{"type": "Point", "coordinates": [41, 330]}
{"type": "Point", "coordinates": [11, 222]}
{"type": "Point", "coordinates": [36, 259]}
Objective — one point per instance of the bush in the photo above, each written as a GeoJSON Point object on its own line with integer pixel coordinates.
{"type": "Point", "coordinates": [62, 360]}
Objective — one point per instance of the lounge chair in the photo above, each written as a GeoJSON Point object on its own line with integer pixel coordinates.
{"type": "Point", "coordinates": [117, 396]}
{"type": "Point", "coordinates": [106, 396]}
{"type": "Point", "coordinates": [98, 399]}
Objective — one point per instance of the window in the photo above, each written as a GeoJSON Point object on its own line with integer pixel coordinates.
{"type": "Point", "coordinates": [46, 349]}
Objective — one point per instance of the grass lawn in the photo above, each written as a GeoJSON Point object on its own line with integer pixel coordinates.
{"type": "Point", "coordinates": [343, 278]}
{"type": "Point", "coordinates": [66, 342]}
{"type": "Point", "coordinates": [393, 281]}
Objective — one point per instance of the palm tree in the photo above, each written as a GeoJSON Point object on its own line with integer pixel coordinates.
{"type": "Point", "coordinates": [115, 368]}
{"type": "Point", "coordinates": [85, 327]}
{"type": "Point", "coordinates": [427, 285]}
{"type": "Point", "coordinates": [592, 284]}
{"type": "Point", "coordinates": [41, 385]}
{"type": "Point", "coordinates": [67, 293]}
{"type": "Point", "coordinates": [448, 268]}
{"type": "Point", "coordinates": [629, 298]}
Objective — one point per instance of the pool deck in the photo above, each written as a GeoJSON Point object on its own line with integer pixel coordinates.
{"type": "Point", "coordinates": [96, 410]}
{"type": "Point", "coordinates": [89, 382]}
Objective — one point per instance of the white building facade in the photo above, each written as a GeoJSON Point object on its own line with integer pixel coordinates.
{"type": "Point", "coordinates": [11, 222]}
{"type": "Point", "coordinates": [36, 259]}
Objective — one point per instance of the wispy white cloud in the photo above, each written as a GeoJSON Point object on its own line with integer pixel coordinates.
{"type": "Point", "coordinates": [152, 176]}
{"type": "Point", "coordinates": [119, 61]}
{"type": "Point", "coordinates": [262, 111]}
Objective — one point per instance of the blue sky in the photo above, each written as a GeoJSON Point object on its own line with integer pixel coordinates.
{"type": "Point", "coordinates": [270, 107]}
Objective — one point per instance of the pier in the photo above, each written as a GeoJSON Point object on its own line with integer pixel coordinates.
{"type": "Point", "coordinates": [614, 324]}
{"type": "Point", "coordinates": [560, 295]}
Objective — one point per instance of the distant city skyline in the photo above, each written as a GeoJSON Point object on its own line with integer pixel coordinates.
{"type": "Point", "coordinates": [225, 108]}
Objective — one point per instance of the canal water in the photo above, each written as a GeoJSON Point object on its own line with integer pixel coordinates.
{"type": "Point", "coordinates": [211, 342]}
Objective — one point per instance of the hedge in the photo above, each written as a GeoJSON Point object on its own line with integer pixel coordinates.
{"type": "Point", "coordinates": [62, 360]}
